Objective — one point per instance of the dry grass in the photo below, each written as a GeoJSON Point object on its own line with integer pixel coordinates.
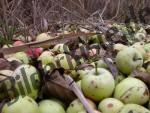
{"type": "Point", "coordinates": [37, 15]}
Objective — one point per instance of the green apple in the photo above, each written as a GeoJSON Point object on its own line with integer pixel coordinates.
{"type": "Point", "coordinates": [133, 108]}
{"type": "Point", "coordinates": [50, 106]}
{"type": "Point", "coordinates": [46, 58]}
{"type": "Point", "coordinates": [118, 47]}
{"type": "Point", "coordinates": [132, 90]}
{"type": "Point", "coordinates": [110, 105]}
{"type": "Point", "coordinates": [76, 106]}
{"type": "Point", "coordinates": [22, 56]}
{"type": "Point", "coordinates": [129, 59]}
{"type": "Point", "coordinates": [140, 47]}
{"type": "Point", "coordinates": [21, 105]}
{"type": "Point", "coordinates": [98, 84]}
{"type": "Point", "coordinates": [61, 48]}
{"type": "Point", "coordinates": [65, 61]}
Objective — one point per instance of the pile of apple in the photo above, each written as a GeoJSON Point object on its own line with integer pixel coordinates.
{"type": "Point", "coordinates": [104, 92]}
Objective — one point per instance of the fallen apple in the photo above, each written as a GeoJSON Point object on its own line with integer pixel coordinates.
{"type": "Point", "coordinates": [110, 105]}
{"type": "Point", "coordinates": [21, 105]}
{"type": "Point", "coordinates": [43, 37]}
{"type": "Point", "coordinates": [46, 57]}
{"type": "Point", "coordinates": [129, 59]}
{"type": "Point", "coordinates": [98, 84]}
{"type": "Point", "coordinates": [50, 106]}
{"type": "Point", "coordinates": [61, 48]}
{"type": "Point", "coordinates": [132, 90]}
{"type": "Point", "coordinates": [34, 52]}
{"type": "Point", "coordinates": [59, 102]}
{"type": "Point", "coordinates": [65, 61]}
{"type": "Point", "coordinates": [118, 47]}
{"type": "Point", "coordinates": [140, 47]}
{"type": "Point", "coordinates": [76, 106]}
{"type": "Point", "coordinates": [18, 43]}
{"type": "Point", "coordinates": [22, 56]}
{"type": "Point", "coordinates": [133, 108]}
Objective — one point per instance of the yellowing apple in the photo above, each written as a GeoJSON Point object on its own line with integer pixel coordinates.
{"type": "Point", "coordinates": [61, 48]}
{"type": "Point", "coordinates": [22, 56]}
{"type": "Point", "coordinates": [46, 57]}
{"type": "Point", "coordinates": [65, 61]}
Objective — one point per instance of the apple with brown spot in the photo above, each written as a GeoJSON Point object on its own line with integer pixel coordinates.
{"type": "Point", "coordinates": [110, 105]}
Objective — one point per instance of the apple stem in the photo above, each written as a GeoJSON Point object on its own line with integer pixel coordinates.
{"type": "Point", "coordinates": [96, 71]}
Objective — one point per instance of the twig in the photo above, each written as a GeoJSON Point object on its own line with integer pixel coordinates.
{"type": "Point", "coordinates": [79, 94]}
{"type": "Point", "coordinates": [117, 12]}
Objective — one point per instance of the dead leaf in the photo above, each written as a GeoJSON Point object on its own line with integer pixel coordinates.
{"type": "Point", "coordinates": [56, 86]}
{"type": "Point", "coordinates": [144, 76]}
